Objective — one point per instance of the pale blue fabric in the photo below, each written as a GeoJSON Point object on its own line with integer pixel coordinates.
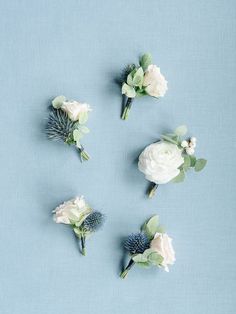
{"type": "Point", "coordinates": [77, 48]}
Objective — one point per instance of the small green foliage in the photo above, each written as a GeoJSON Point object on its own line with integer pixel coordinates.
{"type": "Point", "coordinates": [187, 163]}
{"type": "Point", "coordinates": [151, 226]}
{"type": "Point", "coordinates": [181, 130]}
{"type": "Point", "coordinates": [139, 258]}
{"type": "Point", "coordinates": [129, 91]}
{"type": "Point", "coordinates": [84, 129]}
{"type": "Point", "coordinates": [170, 138]}
{"type": "Point", "coordinates": [200, 164]}
{"type": "Point", "coordinates": [58, 101]}
{"type": "Point", "coordinates": [77, 135]}
{"type": "Point", "coordinates": [145, 61]}
{"type": "Point", "coordinates": [138, 78]}
{"type": "Point", "coordinates": [193, 160]}
{"type": "Point", "coordinates": [180, 177]}
{"type": "Point", "coordinates": [83, 117]}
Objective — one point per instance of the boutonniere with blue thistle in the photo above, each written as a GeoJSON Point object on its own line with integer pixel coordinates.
{"type": "Point", "coordinates": [140, 80]}
{"type": "Point", "coordinates": [149, 247]}
{"type": "Point", "coordinates": [66, 123]}
{"type": "Point", "coordinates": [83, 220]}
{"type": "Point", "coordinates": [169, 159]}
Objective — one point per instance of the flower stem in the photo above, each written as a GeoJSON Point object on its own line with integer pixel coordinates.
{"type": "Point", "coordinates": [152, 191]}
{"type": "Point", "coordinates": [83, 245]}
{"type": "Point", "coordinates": [124, 273]}
{"type": "Point", "coordinates": [84, 156]}
{"type": "Point", "coordinates": [127, 108]}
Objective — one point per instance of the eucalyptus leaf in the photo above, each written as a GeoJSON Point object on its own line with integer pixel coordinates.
{"type": "Point", "coordinates": [58, 101]}
{"type": "Point", "coordinates": [169, 139]}
{"type": "Point", "coordinates": [83, 117]}
{"type": "Point", "coordinates": [130, 79]}
{"type": "Point", "coordinates": [193, 160]}
{"type": "Point", "coordinates": [181, 130]}
{"type": "Point", "coordinates": [84, 129]}
{"type": "Point", "coordinates": [143, 264]}
{"type": "Point", "coordinates": [180, 177]}
{"type": "Point", "coordinates": [187, 162]}
{"type": "Point", "coordinates": [145, 61]}
{"type": "Point", "coordinates": [200, 164]}
{"type": "Point", "coordinates": [129, 91]}
{"type": "Point", "coordinates": [138, 77]}
{"type": "Point", "coordinates": [77, 135]}
{"type": "Point", "coordinates": [139, 258]}
{"type": "Point", "coordinates": [150, 227]}
{"type": "Point", "coordinates": [155, 258]}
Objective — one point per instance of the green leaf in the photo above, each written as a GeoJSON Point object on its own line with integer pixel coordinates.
{"type": "Point", "coordinates": [129, 91]}
{"type": "Point", "coordinates": [130, 79]}
{"type": "Point", "coordinates": [193, 160]}
{"type": "Point", "coordinates": [160, 229]}
{"type": "Point", "coordinates": [143, 264]}
{"type": "Point", "coordinates": [84, 129]}
{"type": "Point", "coordinates": [155, 258]}
{"type": "Point", "coordinates": [139, 258]}
{"type": "Point", "coordinates": [83, 117]}
{"type": "Point", "coordinates": [200, 164]}
{"type": "Point", "coordinates": [145, 61]}
{"type": "Point", "coordinates": [138, 78]}
{"type": "Point", "coordinates": [169, 139]}
{"type": "Point", "coordinates": [181, 130]}
{"type": "Point", "coordinates": [151, 226]}
{"type": "Point", "coordinates": [187, 162]}
{"type": "Point", "coordinates": [77, 135]}
{"type": "Point", "coordinates": [180, 177]}
{"type": "Point", "coordinates": [58, 101]}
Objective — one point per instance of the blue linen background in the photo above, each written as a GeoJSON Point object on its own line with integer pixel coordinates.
{"type": "Point", "coordinates": [77, 48]}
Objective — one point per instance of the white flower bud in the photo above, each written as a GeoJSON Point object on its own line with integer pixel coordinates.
{"type": "Point", "coordinates": [193, 140]}
{"type": "Point", "coordinates": [190, 150]}
{"type": "Point", "coordinates": [184, 144]}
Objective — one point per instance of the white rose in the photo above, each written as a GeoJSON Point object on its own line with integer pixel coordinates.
{"type": "Point", "coordinates": [160, 162]}
{"type": "Point", "coordinates": [74, 109]}
{"type": "Point", "coordinates": [155, 82]}
{"type": "Point", "coordinates": [162, 244]}
{"type": "Point", "coordinates": [75, 210]}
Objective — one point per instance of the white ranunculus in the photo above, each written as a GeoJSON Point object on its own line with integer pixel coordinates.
{"type": "Point", "coordinates": [154, 81]}
{"type": "Point", "coordinates": [162, 244]}
{"type": "Point", "coordinates": [160, 162]}
{"type": "Point", "coordinates": [75, 210]}
{"type": "Point", "coordinates": [74, 109]}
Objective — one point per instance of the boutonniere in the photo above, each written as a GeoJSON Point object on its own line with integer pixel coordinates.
{"type": "Point", "coordinates": [83, 220]}
{"type": "Point", "coordinates": [141, 80]}
{"type": "Point", "coordinates": [66, 123]}
{"type": "Point", "coordinates": [150, 247]}
{"type": "Point", "coordinates": [169, 159]}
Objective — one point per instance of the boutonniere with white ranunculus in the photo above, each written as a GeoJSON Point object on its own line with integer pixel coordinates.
{"type": "Point", "coordinates": [66, 123]}
{"type": "Point", "coordinates": [141, 80]}
{"type": "Point", "coordinates": [83, 220]}
{"type": "Point", "coordinates": [150, 247]}
{"type": "Point", "coordinates": [169, 159]}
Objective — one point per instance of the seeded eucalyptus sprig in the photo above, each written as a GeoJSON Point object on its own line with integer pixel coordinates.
{"type": "Point", "coordinates": [150, 247]}
{"type": "Point", "coordinates": [141, 80]}
{"type": "Point", "coordinates": [66, 123]}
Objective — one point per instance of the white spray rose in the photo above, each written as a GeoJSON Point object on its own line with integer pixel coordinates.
{"type": "Point", "coordinates": [162, 244]}
{"type": "Point", "coordinates": [74, 109]}
{"type": "Point", "coordinates": [155, 82]}
{"type": "Point", "coordinates": [160, 162]}
{"type": "Point", "coordinates": [75, 210]}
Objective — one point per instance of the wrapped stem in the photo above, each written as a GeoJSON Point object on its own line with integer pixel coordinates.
{"type": "Point", "coordinates": [127, 108]}
{"type": "Point", "coordinates": [83, 154]}
{"type": "Point", "coordinates": [83, 245]}
{"type": "Point", "coordinates": [124, 273]}
{"type": "Point", "coordinates": [152, 190]}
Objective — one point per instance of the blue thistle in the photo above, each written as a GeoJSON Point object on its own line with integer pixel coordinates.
{"type": "Point", "coordinates": [59, 126]}
{"type": "Point", "coordinates": [137, 243]}
{"type": "Point", "coordinates": [93, 222]}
